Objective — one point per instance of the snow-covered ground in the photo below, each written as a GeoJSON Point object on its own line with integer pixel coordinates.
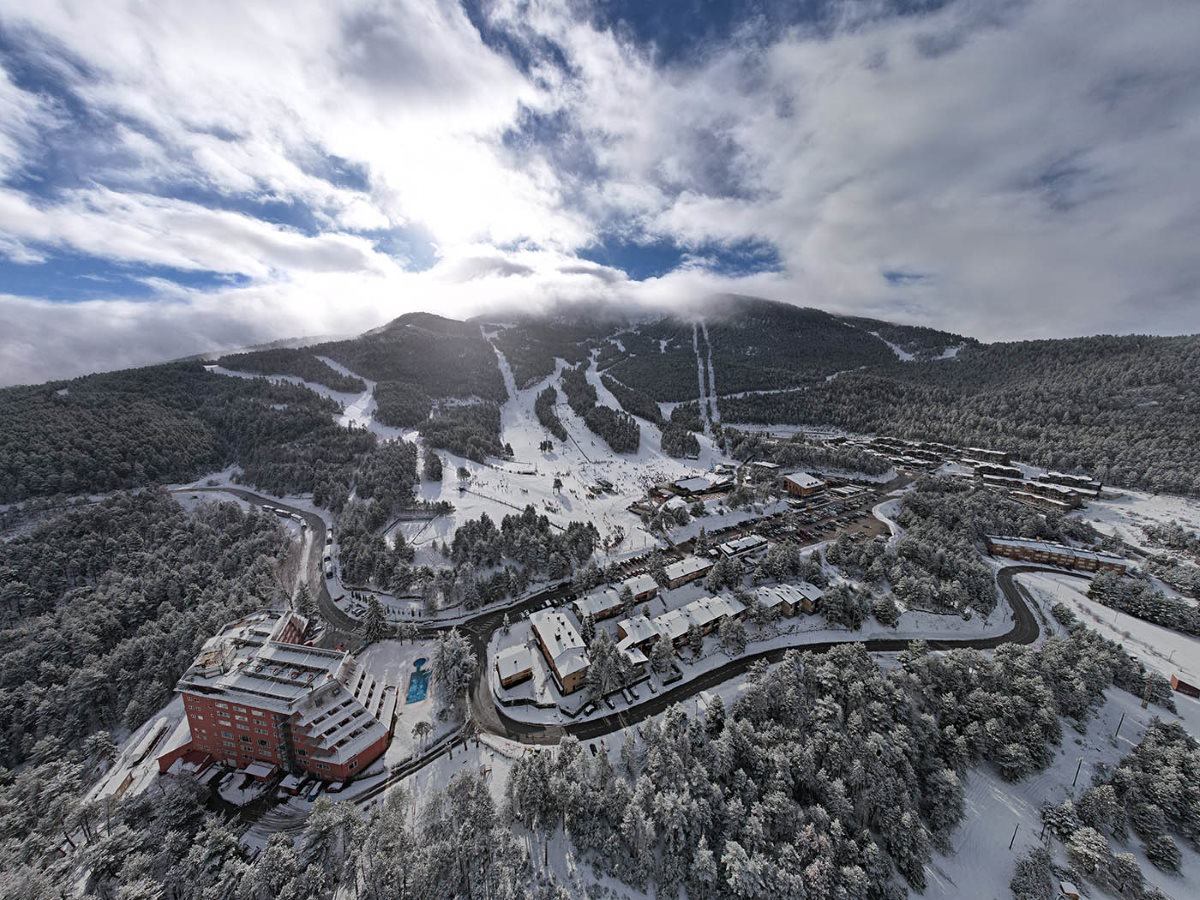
{"type": "Point", "coordinates": [1123, 513]}
{"type": "Point", "coordinates": [1162, 649]}
{"type": "Point", "coordinates": [392, 662]}
{"type": "Point", "coordinates": [981, 864]}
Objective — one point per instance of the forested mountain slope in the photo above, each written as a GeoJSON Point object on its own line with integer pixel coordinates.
{"type": "Point", "coordinates": [1126, 408]}
{"type": "Point", "coordinates": [168, 423]}
{"type": "Point", "coordinates": [104, 607]}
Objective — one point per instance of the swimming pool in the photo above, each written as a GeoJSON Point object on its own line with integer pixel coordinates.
{"type": "Point", "coordinates": [418, 683]}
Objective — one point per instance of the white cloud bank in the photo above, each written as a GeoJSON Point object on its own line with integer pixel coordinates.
{"type": "Point", "coordinates": [1024, 169]}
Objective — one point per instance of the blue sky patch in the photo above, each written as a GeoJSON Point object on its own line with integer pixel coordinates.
{"type": "Point", "coordinates": [69, 277]}
{"type": "Point", "coordinates": [653, 259]}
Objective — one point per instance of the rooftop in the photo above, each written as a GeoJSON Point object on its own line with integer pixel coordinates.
{"type": "Point", "coordinates": [689, 565]}
{"type": "Point", "coordinates": [637, 629]}
{"type": "Point", "coordinates": [1049, 547]}
{"type": "Point", "coordinates": [640, 584]}
{"type": "Point", "coordinates": [744, 544]}
{"type": "Point", "coordinates": [563, 644]}
{"type": "Point", "coordinates": [597, 603]}
{"type": "Point", "coordinates": [803, 479]}
{"type": "Point", "coordinates": [514, 661]}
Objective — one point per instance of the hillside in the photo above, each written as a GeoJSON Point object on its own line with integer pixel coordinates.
{"type": "Point", "coordinates": [1124, 407]}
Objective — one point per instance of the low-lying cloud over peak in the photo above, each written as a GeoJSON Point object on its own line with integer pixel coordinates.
{"type": "Point", "coordinates": [177, 178]}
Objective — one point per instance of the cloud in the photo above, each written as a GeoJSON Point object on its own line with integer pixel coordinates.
{"type": "Point", "coordinates": [1009, 169]}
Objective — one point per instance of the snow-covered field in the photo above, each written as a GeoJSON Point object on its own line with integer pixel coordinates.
{"type": "Point", "coordinates": [981, 864]}
{"type": "Point", "coordinates": [1162, 649]}
{"type": "Point", "coordinates": [1125, 512]}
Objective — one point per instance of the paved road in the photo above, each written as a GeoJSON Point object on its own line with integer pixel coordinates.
{"type": "Point", "coordinates": [490, 717]}
{"type": "Point", "coordinates": [340, 626]}
{"type": "Point", "coordinates": [1025, 630]}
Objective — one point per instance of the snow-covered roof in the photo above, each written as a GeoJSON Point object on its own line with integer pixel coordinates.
{"type": "Point", "coordinates": [514, 661]}
{"type": "Point", "coordinates": [562, 642]}
{"type": "Point", "coordinates": [1055, 549]}
{"type": "Point", "coordinates": [637, 629]}
{"type": "Point", "coordinates": [703, 612]}
{"type": "Point", "coordinates": [764, 464]}
{"type": "Point", "coordinates": [689, 565]}
{"type": "Point", "coordinates": [1039, 499]}
{"type": "Point", "coordinates": [803, 480]}
{"type": "Point", "coordinates": [598, 603]}
{"type": "Point", "coordinates": [693, 484]}
{"type": "Point", "coordinates": [634, 655]}
{"type": "Point", "coordinates": [772, 595]}
{"type": "Point", "coordinates": [260, 770]}
{"type": "Point", "coordinates": [641, 584]}
{"type": "Point", "coordinates": [747, 543]}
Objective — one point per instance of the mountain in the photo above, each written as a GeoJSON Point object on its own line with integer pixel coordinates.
{"type": "Point", "coordinates": [1125, 407]}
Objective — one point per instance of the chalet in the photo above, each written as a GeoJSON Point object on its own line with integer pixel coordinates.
{"type": "Point", "coordinates": [687, 570]}
{"type": "Point", "coordinates": [256, 696]}
{"type": "Point", "coordinates": [636, 657]}
{"type": "Point", "coordinates": [599, 604]}
{"type": "Point", "coordinates": [643, 587]}
{"type": "Point", "coordinates": [1052, 554]}
{"type": "Point", "coordinates": [562, 647]}
{"type": "Point", "coordinates": [747, 545]}
{"type": "Point", "coordinates": [638, 631]}
{"type": "Point", "coordinates": [514, 665]}
{"type": "Point", "coordinates": [706, 613]}
{"type": "Point", "coordinates": [987, 468]}
{"type": "Point", "coordinates": [790, 598]}
{"type": "Point", "coordinates": [1085, 484]}
{"type": "Point", "coordinates": [801, 484]}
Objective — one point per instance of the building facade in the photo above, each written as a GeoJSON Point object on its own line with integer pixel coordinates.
{"type": "Point", "coordinates": [801, 484]}
{"type": "Point", "coordinates": [255, 694]}
{"type": "Point", "coordinates": [1055, 554]}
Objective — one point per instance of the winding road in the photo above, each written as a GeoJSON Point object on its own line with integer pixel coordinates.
{"type": "Point", "coordinates": [489, 717]}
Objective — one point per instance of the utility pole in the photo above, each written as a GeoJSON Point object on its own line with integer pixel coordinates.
{"type": "Point", "coordinates": [1122, 722]}
{"type": "Point", "coordinates": [1014, 837]}
{"type": "Point", "coordinates": [1077, 768]}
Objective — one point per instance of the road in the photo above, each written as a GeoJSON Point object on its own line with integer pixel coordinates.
{"type": "Point", "coordinates": [490, 717]}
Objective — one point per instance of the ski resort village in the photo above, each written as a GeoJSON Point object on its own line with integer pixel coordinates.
{"type": "Point", "coordinates": [601, 620]}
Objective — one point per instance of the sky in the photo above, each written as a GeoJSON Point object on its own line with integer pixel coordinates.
{"type": "Point", "coordinates": [182, 177]}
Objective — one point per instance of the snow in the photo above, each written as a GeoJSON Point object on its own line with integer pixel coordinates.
{"type": "Point", "coordinates": [391, 663]}
{"type": "Point", "coordinates": [901, 354]}
{"type": "Point", "coordinates": [796, 632]}
{"type": "Point", "coordinates": [1162, 649]}
{"type": "Point", "coordinates": [980, 864]}
{"type": "Point", "coordinates": [1125, 514]}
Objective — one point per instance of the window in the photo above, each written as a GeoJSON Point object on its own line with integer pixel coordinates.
{"type": "Point", "coordinates": [198, 717]}
{"type": "Point", "coordinates": [227, 734]}
{"type": "Point", "coordinates": [241, 718]}
{"type": "Point", "coordinates": [263, 743]}
{"type": "Point", "coordinates": [302, 752]}
{"type": "Point", "coordinates": [221, 705]}
{"type": "Point", "coordinates": [240, 709]}
{"type": "Point", "coordinates": [353, 764]}
{"type": "Point", "coordinates": [244, 737]}
{"type": "Point", "coordinates": [259, 712]}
